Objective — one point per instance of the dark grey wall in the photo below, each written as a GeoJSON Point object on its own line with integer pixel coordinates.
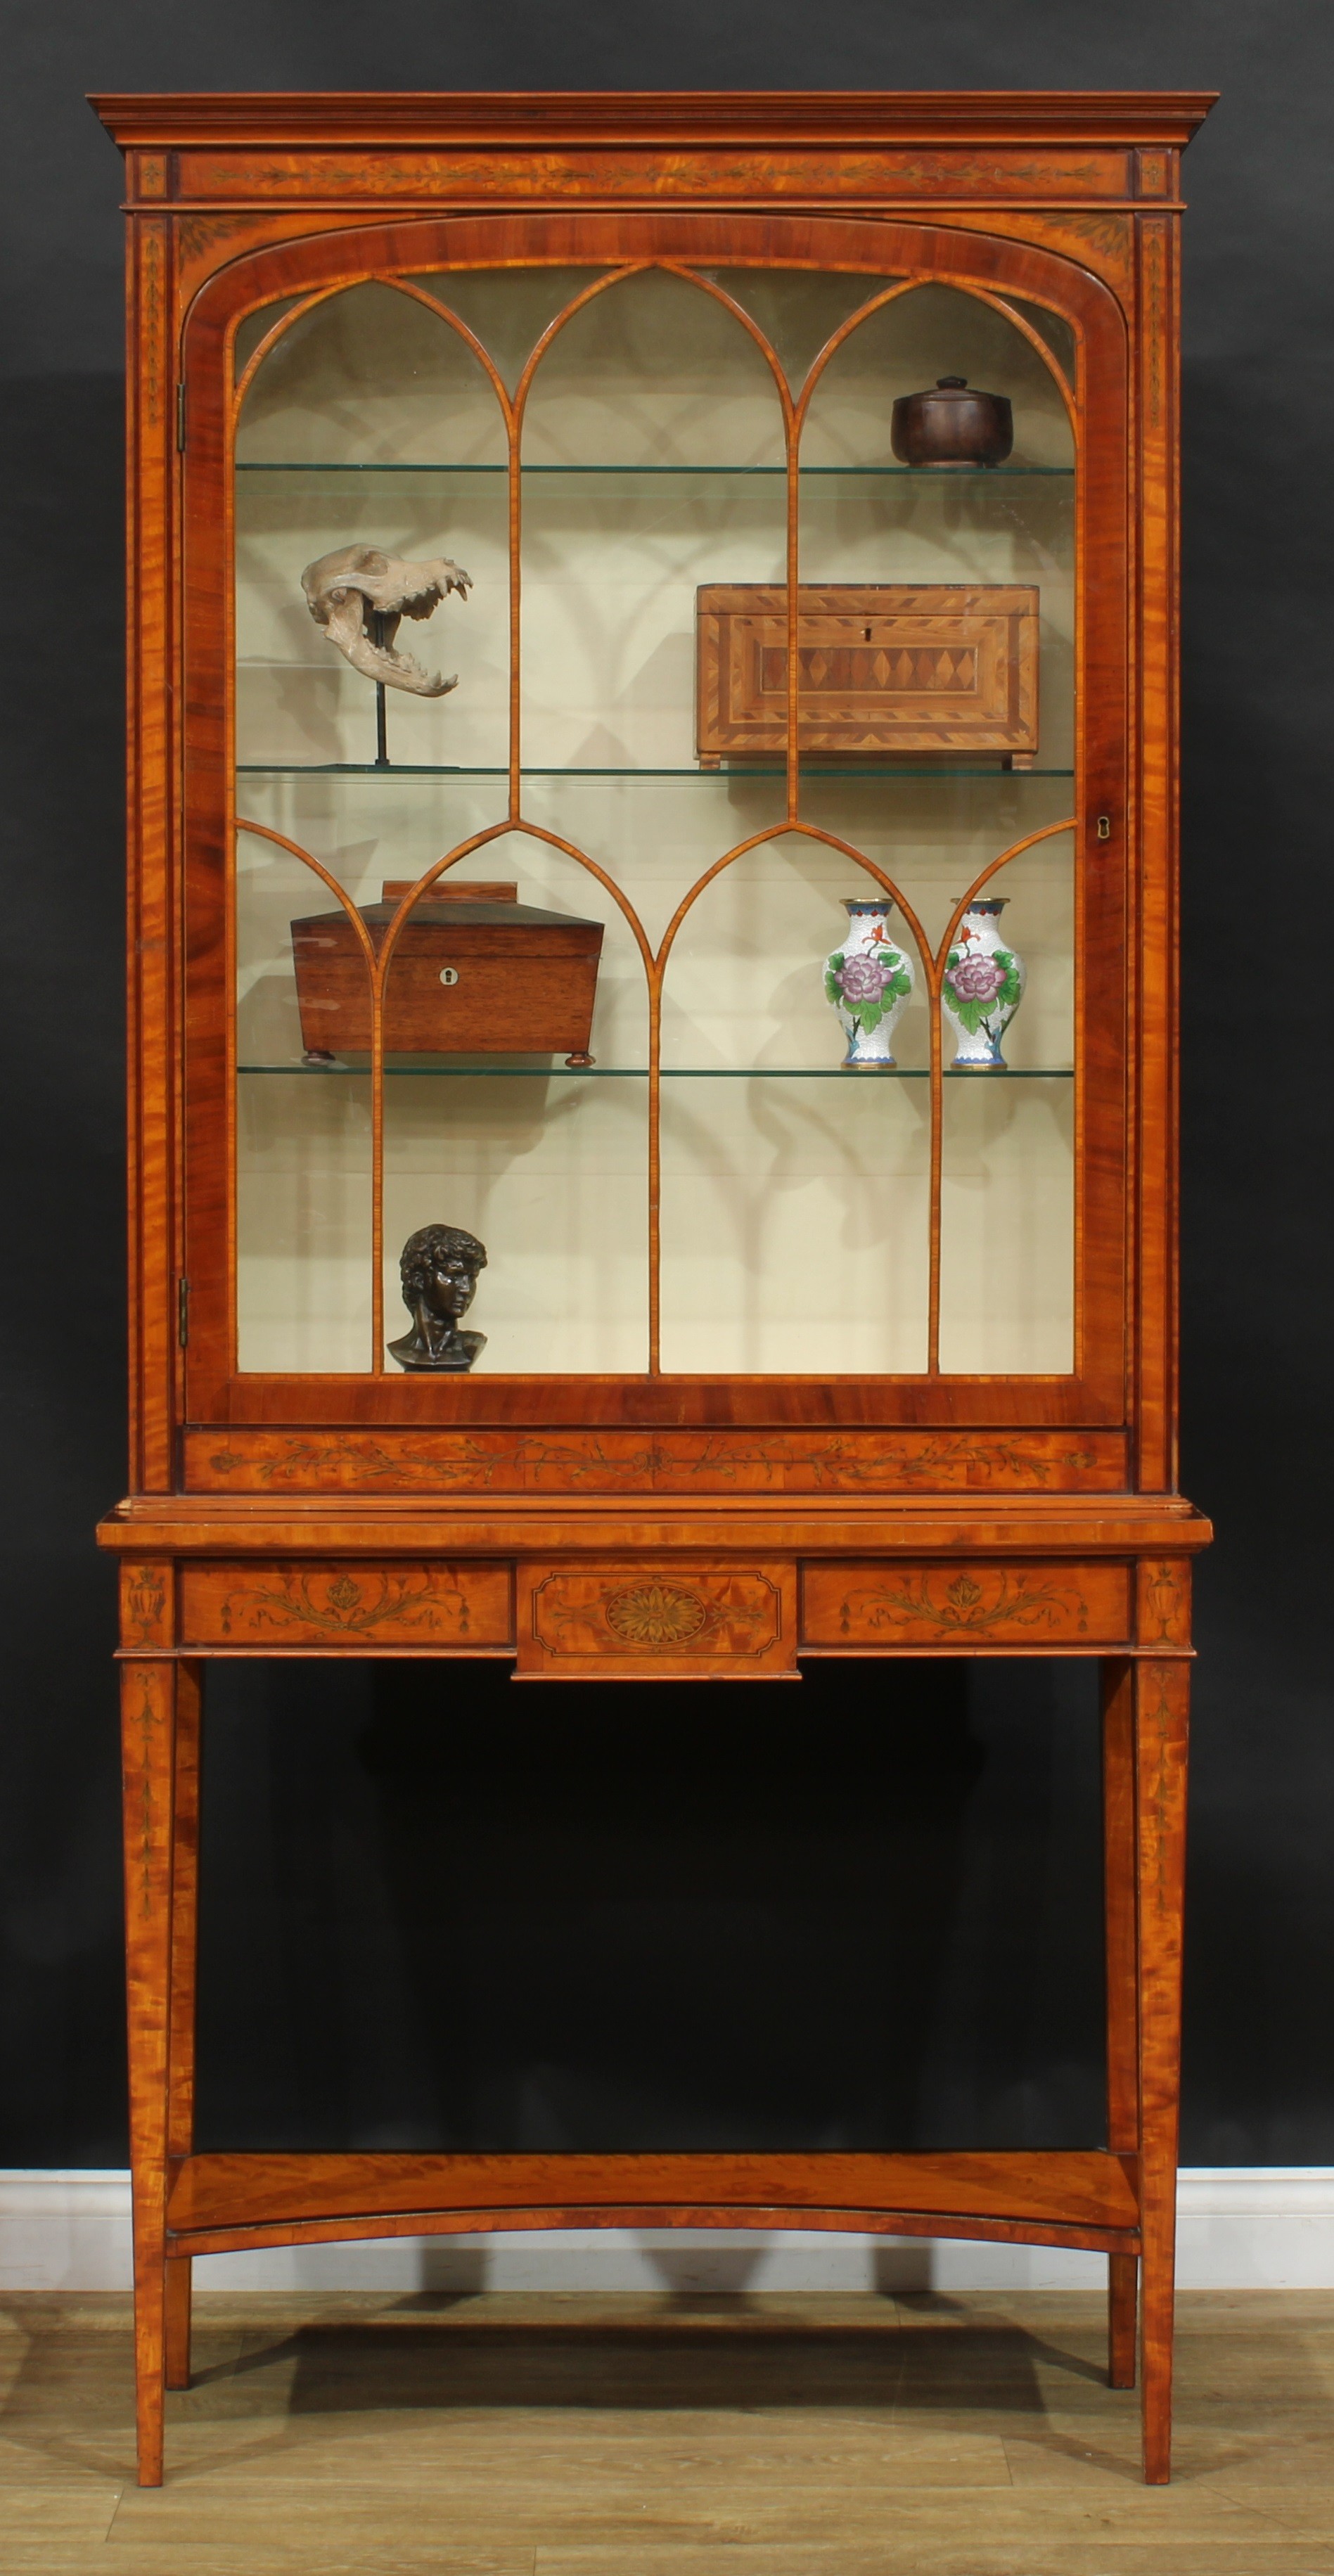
{"type": "Point", "coordinates": [439, 1907]}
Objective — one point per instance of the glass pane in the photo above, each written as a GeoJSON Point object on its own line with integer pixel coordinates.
{"type": "Point", "coordinates": [794, 1225]}
{"type": "Point", "coordinates": [508, 308]}
{"type": "Point", "coordinates": [303, 1148]}
{"type": "Point", "coordinates": [370, 424]}
{"type": "Point", "coordinates": [653, 374]}
{"type": "Point", "coordinates": [516, 1106]}
{"type": "Point", "coordinates": [304, 1224]}
{"type": "Point", "coordinates": [798, 309]}
{"type": "Point", "coordinates": [253, 327]}
{"type": "Point", "coordinates": [1053, 330]}
{"type": "Point", "coordinates": [370, 376]}
{"type": "Point", "coordinates": [796, 1209]}
{"type": "Point", "coordinates": [905, 348]}
{"type": "Point", "coordinates": [966, 547]}
{"type": "Point", "coordinates": [1008, 1195]}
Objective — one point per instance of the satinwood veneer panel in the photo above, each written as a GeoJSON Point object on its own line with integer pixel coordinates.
{"type": "Point", "coordinates": [1082, 2189]}
{"type": "Point", "coordinates": [654, 1620]}
{"type": "Point", "coordinates": [895, 1602]}
{"type": "Point", "coordinates": [359, 1605]}
{"type": "Point", "coordinates": [571, 1459]}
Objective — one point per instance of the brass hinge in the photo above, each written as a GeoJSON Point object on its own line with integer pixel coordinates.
{"type": "Point", "coordinates": [180, 418]}
{"type": "Point", "coordinates": [183, 1312]}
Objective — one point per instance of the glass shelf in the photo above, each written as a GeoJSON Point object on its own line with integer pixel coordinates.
{"type": "Point", "coordinates": [491, 1072]}
{"type": "Point", "coordinates": [748, 769]}
{"type": "Point", "coordinates": [921, 473]}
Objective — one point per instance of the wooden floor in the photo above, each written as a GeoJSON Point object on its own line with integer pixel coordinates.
{"type": "Point", "coordinates": [679, 2436]}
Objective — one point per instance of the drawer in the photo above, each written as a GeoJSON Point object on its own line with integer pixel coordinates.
{"type": "Point", "coordinates": [657, 1620]}
{"type": "Point", "coordinates": [892, 1603]}
{"type": "Point", "coordinates": [347, 1603]}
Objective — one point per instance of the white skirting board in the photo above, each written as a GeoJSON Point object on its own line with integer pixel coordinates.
{"type": "Point", "coordinates": [1240, 2227]}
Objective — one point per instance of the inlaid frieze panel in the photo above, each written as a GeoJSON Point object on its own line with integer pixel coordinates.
{"type": "Point", "coordinates": [571, 1460]}
{"type": "Point", "coordinates": [698, 177]}
{"type": "Point", "coordinates": [873, 1606]}
{"type": "Point", "coordinates": [357, 1605]}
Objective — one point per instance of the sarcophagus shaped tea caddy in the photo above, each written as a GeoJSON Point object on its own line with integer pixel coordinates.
{"type": "Point", "coordinates": [473, 972]}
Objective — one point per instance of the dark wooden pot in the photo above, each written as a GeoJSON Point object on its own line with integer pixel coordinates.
{"type": "Point", "coordinates": [952, 425]}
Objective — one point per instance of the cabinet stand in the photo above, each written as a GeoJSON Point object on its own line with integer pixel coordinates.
{"type": "Point", "coordinates": [1118, 2200]}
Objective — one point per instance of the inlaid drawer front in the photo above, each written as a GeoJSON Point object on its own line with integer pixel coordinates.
{"type": "Point", "coordinates": [346, 1603]}
{"type": "Point", "coordinates": [657, 1617]}
{"type": "Point", "coordinates": [896, 1604]}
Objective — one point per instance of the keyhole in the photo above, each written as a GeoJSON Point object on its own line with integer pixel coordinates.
{"type": "Point", "coordinates": [866, 633]}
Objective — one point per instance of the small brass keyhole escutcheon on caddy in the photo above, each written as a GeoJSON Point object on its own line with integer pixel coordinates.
{"type": "Point", "coordinates": [1104, 833]}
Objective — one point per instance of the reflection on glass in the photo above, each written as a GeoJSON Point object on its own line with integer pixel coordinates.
{"type": "Point", "coordinates": [553, 1178]}
{"type": "Point", "coordinates": [1008, 1164]}
{"type": "Point", "coordinates": [794, 1225]}
{"type": "Point", "coordinates": [1007, 1243]}
{"type": "Point", "coordinates": [303, 1192]}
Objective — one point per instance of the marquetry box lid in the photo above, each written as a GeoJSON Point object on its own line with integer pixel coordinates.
{"type": "Point", "coordinates": [885, 667]}
{"type": "Point", "coordinates": [473, 972]}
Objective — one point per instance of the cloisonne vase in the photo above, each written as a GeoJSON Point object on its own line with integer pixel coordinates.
{"type": "Point", "coordinates": [982, 988]}
{"type": "Point", "coordinates": [868, 980]}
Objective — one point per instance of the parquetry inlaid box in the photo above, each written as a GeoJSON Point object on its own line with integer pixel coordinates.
{"type": "Point", "coordinates": [473, 972]}
{"type": "Point", "coordinates": [885, 667]}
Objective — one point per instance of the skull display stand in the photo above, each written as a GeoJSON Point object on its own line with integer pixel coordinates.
{"type": "Point", "coordinates": [358, 594]}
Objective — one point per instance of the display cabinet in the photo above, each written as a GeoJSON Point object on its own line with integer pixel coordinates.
{"type": "Point", "coordinates": [747, 996]}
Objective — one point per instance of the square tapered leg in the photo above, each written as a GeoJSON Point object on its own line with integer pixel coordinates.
{"type": "Point", "coordinates": [1161, 1694]}
{"type": "Point", "coordinates": [181, 2033]}
{"type": "Point", "coordinates": [1118, 1808]}
{"type": "Point", "coordinates": [148, 1734]}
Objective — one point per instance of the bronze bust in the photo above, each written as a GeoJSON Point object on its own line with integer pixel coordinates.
{"type": "Point", "coordinates": [438, 1266]}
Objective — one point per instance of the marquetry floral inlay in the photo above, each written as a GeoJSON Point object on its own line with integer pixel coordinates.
{"type": "Point", "coordinates": [145, 1601]}
{"type": "Point", "coordinates": [346, 1605]}
{"type": "Point", "coordinates": [646, 1462]}
{"type": "Point", "coordinates": [198, 233]}
{"type": "Point", "coordinates": [656, 1614]}
{"type": "Point", "coordinates": [965, 1606]}
{"type": "Point", "coordinates": [1165, 1599]}
{"type": "Point", "coordinates": [152, 291]}
{"type": "Point", "coordinates": [834, 172]}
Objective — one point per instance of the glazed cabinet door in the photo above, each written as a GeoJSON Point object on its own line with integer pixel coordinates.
{"type": "Point", "coordinates": [652, 816]}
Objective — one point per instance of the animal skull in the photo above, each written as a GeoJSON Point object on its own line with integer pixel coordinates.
{"type": "Point", "coordinates": [346, 589]}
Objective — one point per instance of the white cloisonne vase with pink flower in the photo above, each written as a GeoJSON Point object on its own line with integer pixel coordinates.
{"type": "Point", "coordinates": [868, 980]}
{"type": "Point", "coordinates": [982, 988]}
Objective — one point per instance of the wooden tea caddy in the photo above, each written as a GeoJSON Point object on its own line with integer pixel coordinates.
{"type": "Point", "coordinates": [474, 972]}
{"type": "Point", "coordinates": [608, 1526]}
{"type": "Point", "coordinates": [886, 668]}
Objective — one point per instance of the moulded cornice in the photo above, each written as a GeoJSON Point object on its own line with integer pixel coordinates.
{"type": "Point", "coordinates": [543, 117]}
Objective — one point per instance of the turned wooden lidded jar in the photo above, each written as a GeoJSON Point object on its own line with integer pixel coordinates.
{"type": "Point", "coordinates": [953, 424]}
